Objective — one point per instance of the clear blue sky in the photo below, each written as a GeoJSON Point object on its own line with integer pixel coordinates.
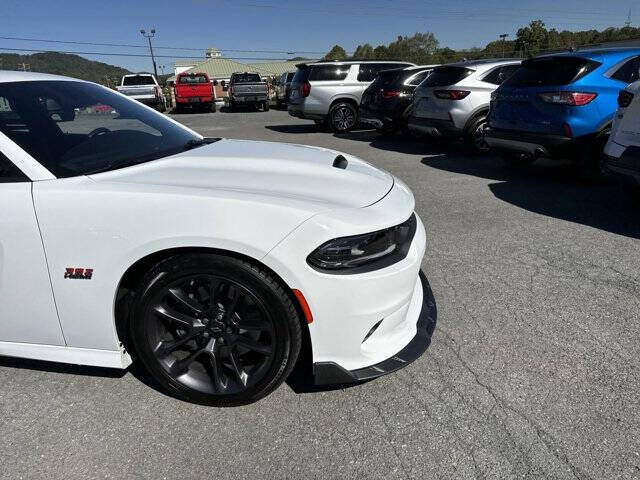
{"type": "Point", "coordinates": [285, 25]}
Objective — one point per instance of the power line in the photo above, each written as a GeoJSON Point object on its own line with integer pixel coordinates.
{"type": "Point", "coordinates": [128, 45]}
{"type": "Point", "coordinates": [108, 54]}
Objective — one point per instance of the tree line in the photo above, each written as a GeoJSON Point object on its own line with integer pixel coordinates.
{"type": "Point", "coordinates": [535, 38]}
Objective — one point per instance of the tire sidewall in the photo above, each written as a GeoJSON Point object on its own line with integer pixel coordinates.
{"type": "Point", "coordinates": [333, 111]}
{"type": "Point", "coordinates": [186, 265]}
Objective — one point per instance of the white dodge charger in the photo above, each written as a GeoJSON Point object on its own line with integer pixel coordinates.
{"type": "Point", "coordinates": [125, 235]}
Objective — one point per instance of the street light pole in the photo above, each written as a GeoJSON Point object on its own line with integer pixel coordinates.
{"type": "Point", "coordinates": [149, 36]}
{"type": "Point", "coordinates": [503, 37]}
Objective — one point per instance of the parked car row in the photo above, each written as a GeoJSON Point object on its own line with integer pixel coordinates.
{"type": "Point", "coordinates": [557, 106]}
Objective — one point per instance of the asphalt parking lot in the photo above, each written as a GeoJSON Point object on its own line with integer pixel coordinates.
{"type": "Point", "coordinates": [533, 371]}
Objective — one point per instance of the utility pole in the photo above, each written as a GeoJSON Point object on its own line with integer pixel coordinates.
{"type": "Point", "coordinates": [149, 36]}
{"type": "Point", "coordinates": [503, 37]}
{"type": "Point", "coordinates": [25, 67]}
{"type": "Point", "coordinates": [628, 22]}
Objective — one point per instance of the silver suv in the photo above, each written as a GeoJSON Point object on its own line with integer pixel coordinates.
{"type": "Point", "coordinates": [454, 100]}
{"type": "Point", "coordinates": [330, 92]}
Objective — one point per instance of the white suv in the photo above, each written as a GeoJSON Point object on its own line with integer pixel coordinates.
{"type": "Point", "coordinates": [622, 152]}
{"type": "Point", "coordinates": [454, 100]}
{"type": "Point", "coordinates": [330, 92]}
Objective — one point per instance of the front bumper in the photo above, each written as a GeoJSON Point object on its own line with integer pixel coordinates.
{"type": "Point", "coordinates": [359, 319]}
{"type": "Point", "coordinates": [533, 144]}
{"type": "Point", "coordinates": [330, 373]}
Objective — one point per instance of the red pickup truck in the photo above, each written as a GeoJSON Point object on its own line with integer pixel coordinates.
{"type": "Point", "coordinates": [194, 90]}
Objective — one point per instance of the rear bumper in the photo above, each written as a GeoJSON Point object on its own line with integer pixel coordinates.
{"type": "Point", "coordinates": [249, 98]}
{"type": "Point", "coordinates": [432, 126]}
{"type": "Point", "coordinates": [152, 102]}
{"type": "Point", "coordinates": [378, 118]}
{"type": "Point", "coordinates": [330, 373]}
{"type": "Point", "coordinates": [537, 145]}
{"type": "Point", "coordinates": [297, 110]}
{"type": "Point", "coordinates": [187, 100]}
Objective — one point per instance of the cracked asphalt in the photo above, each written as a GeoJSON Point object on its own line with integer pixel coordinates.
{"type": "Point", "coordinates": [532, 372]}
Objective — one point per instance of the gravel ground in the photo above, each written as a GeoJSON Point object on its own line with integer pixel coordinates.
{"type": "Point", "coordinates": [532, 373]}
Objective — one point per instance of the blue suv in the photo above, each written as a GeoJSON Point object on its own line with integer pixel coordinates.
{"type": "Point", "coordinates": [560, 105]}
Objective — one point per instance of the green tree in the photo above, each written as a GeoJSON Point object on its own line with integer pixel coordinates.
{"type": "Point", "coordinates": [336, 53]}
{"type": "Point", "coordinates": [381, 52]}
{"type": "Point", "coordinates": [533, 38]}
{"type": "Point", "coordinates": [418, 49]}
{"type": "Point", "coordinates": [364, 51]}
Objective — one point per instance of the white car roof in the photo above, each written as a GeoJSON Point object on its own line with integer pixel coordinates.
{"type": "Point", "coordinates": [13, 76]}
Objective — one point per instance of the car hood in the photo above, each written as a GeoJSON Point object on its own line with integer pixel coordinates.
{"type": "Point", "coordinates": [277, 170]}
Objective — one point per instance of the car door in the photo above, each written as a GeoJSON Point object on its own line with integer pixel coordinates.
{"type": "Point", "coordinates": [27, 309]}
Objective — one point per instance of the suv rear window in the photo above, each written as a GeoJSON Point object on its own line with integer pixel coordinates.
{"type": "Point", "coordinates": [245, 78]}
{"type": "Point", "coordinates": [445, 76]}
{"type": "Point", "coordinates": [193, 79]}
{"type": "Point", "coordinates": [561, 70]}
{"type": "Point", "coordinates": [138, 80]}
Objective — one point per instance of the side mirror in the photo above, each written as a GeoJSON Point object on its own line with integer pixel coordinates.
{"type": "Point", "coordinates": [215, 83]}
{"type": "Point", "coordinates": [223, 83]}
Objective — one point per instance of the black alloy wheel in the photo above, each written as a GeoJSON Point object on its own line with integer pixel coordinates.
{"type": "Point", "coordinates": [343, 117]}
{"type": "Point", "coordinates": [215, 330]}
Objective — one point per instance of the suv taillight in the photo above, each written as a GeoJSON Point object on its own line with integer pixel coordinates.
{"type": "Point", "coordinates": [390, 93]}
{"type": "Point", "coordinates": [156, 91]}
{"type": "Point", "coordinates": [230, 89]}
{"type": "Point", "coordinates": [624, 98]}
{"type": "Point", "coordinates": [305, 89]}
{"type": "Point", "coordinates": [574, 99]}
{"type": "Point", "coordinates": [451, 94]}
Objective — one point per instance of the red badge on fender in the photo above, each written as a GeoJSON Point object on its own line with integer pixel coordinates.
{"type": "Point", "coordinates": [78, 273]}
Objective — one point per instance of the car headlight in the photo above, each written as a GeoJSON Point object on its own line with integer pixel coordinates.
{"type": "Point", "coordinates": [365, 252]}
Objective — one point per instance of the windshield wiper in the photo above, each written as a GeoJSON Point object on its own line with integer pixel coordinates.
{"type": "Point", "coordinates": [198, 143]}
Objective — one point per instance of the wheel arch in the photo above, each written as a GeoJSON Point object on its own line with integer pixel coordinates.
{"type": "Point", "coordinates": [126, 291]}
{"type": "Point", "coordinates": [342, 99]}
{"type": "Point", "coordinates": [484, 110]}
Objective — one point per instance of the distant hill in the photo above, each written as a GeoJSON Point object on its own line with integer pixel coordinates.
{"type": "Point", "coordinates": [64, 64]}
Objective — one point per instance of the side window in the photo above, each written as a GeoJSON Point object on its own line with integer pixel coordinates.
{"type": "Point", "coordinates": [369, 71]}
{"type": "Point", "coordinates": [329, 72]}
{"type": "Point", "coordinates": [500, 74]}
{"type": "Point", "coordinates": [9, 173]}
{"type": "Point", "coordinates": [628, 72]}
{"type": "Point", "coordinates": [417, 79]}
{"type": "Point", "coordinates": [507, 71]}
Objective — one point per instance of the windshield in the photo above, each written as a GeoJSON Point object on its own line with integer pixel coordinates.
{"type": "Point", "coordinates": [245, 78]}
{"type": "Point", "coordinates": [193, 79]}
{"type": "Point", "coordinates": [138, 80]}
{"type": "Point", "coordinates": [75, 128]}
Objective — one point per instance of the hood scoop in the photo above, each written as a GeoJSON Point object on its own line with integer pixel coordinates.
{"type": "Point", "coordinates": [340, 162]}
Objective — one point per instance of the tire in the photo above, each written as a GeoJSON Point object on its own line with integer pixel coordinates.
{"type": "Point", "coordinates": [515, 160]}
{"type": "Point", "coordinates": [232, 106]}
{"type": "Point", "coordinates": [265, 106]}
{"type": "Point", "coordinates": [474, 136]}
{"type": "Point", "coordinates": [591, 153]}
{"type": "Point", "coordinates": [215, 330]}
{"type": "Point", "coordinates": [342, 117]}
{"type": "Point", "coordinates": [179, 108]}
{"type": "Point", "coordinates": [212, 108]}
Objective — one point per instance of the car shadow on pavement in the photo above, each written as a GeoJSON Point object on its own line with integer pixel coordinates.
{"type": "Point", "coordinates": [399, 143]}
{"type": "Point", "coordinates": [298, 128]}
{"type": "Point", "coordinates": [54, 367]}
{"type": "Point", "coordinates": [555, 190]}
